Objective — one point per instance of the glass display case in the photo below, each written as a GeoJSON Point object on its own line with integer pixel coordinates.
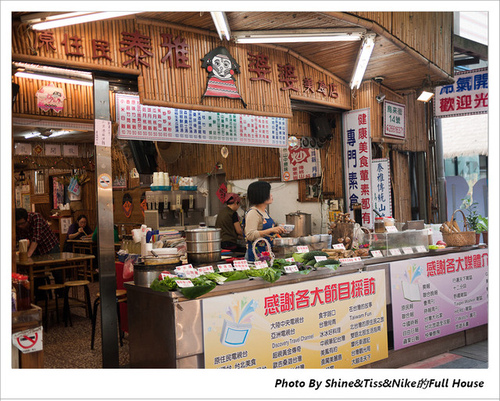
{"type": "Point", "coordinates": [416, 240]}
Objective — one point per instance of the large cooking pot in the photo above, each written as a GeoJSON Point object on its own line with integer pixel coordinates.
{"type": "Point", "coordinates": [203, 245]}
{"type": "Point", "coordinates": [302, 223]}
{"type": "Point", "coordinates": [145, 273]}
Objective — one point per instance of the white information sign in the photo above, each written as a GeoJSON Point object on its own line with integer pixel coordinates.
{"type": "Point", "coordinates": [394, 120]}
{"type": "Point", "coordinates": [102, 131]}
{"type": "Point", "coordinates": [357, 160]}
{"type": "Point", "coordinates": [28, 340]}
{"type": "Point", "coordinates": [298, 163]}
{"type": "Point", "coordinates": [381, 185]}
{"type": "Point", "coordinates": [467, 96]}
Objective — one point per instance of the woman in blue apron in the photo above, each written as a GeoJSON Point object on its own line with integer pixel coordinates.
{"type": "Point", "coordinates": [258, 223]}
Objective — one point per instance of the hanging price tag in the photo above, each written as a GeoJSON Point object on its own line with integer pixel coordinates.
{"type": "Point", "coordinates": [338, 246]}
{"type": "Point", "coordinates": [302, 249]}
{"type": "Point", "coordinates": [227, 267]}
{"type": "Point", "coordinates": [291, 269]}
{"type": "Point", "coordinates": [407, 250]}
{"type": "Point", "coordinates": [395, 252]}
{"type": "Point", "coordinates": [377, 254]}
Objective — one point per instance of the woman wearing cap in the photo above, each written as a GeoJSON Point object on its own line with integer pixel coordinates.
{"type": "Point", "coordinates": [258, 223]}
{"type": "Point", "coordinates": [229, 223]}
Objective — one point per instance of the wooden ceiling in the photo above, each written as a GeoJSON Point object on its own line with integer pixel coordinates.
{"type": "Point", "coordinates": [403, 68]}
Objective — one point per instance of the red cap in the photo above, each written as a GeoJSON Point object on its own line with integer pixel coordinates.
{"type": "Point", "coordinates": [231, 197]}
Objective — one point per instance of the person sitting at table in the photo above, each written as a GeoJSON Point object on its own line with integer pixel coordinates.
{"type": "Point", "coordinates": [33, 227]}
{"type": "Point", "coordinates": [78, 230]}
{"type": "Point", "coordinates": [42, 240]}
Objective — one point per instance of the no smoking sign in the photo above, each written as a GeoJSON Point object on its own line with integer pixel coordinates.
{"type": "Point", "coordinates": [28, 340]}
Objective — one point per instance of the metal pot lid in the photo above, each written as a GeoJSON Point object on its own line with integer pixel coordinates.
{"type": "Point", "coordinates": [298, 213]}
{"type": "Point", "coordinates": [203, 230]}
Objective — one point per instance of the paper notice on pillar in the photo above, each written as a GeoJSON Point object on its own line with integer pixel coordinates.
{"type": "Point", "coordinates": [102, 133]}
{"type": "Point", "coordinates": [381, 186]}
{"type": "Point", "coordinates": [29, 340]}
{"type": "Point", "coordinates": [357, 163]}
{"type": "Point", "coordinates": [298, 163]}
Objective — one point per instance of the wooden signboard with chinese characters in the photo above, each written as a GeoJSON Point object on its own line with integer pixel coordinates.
{"type": "Point", "coordinates": [167, 60]}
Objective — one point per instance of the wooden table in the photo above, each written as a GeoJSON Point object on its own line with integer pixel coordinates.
{"type": "Point", "coordinates": [87, 247]}
{"type": "Point", "coordinates": [39, 266]}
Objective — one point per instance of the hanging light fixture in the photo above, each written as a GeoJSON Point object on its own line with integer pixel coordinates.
{"type": "Point", "coordinates": [221, 24]}
{"type": "Point", "coordinates": [65, 19]}
{"type": "Point", "coordinates": [362, 60]}
{"type": "Point", "coordinates": [299, 35]}
{"type": "Point", "coordinates": [427, 92]}
{"type": "Point", "coordinates": [53, 74]}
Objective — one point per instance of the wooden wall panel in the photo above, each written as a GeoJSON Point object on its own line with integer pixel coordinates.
{"type": "Point", "coordinates": [79, 101]}
{"type": "Point", "coordinates": [416, 132]}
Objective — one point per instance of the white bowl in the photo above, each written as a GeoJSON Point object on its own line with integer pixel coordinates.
{"type": "Point", "coordinates": [288, 227]}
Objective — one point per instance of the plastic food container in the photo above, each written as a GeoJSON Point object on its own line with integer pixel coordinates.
{"type": "Point", "coordinates": [389, 221]}
{"type": "Point", "coordinates": [379, 225]}
{"type": "Point", "coordinates": [21, 284]}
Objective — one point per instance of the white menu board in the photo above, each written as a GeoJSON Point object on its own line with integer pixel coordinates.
{"type": "Point", "coordinates": [153, 123]}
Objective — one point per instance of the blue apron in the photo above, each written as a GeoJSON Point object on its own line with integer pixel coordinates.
{"type": "Point", "coordinates": [268, 223]}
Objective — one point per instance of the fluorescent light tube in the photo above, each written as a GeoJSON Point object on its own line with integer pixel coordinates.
{"type": "Point", "coordinates": [298, 35]}
{"type": "Point", "coordinates": [31, 75]}
{"type": "Point", "coordinates": [363, 60]}
{"type": "Point", "coordinates": [221, 24]}
{"type": "Point", "coordinates": [78, 20]}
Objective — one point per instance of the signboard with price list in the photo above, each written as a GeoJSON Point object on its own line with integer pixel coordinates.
{"type": "Point", "coordinates": [337, 322]}
{"type": "Point", "coordinates": [440, 295]}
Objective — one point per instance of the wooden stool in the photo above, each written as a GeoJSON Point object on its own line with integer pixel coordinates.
{"type": "Point", "coordinates": [47, 289]}
{"type": "Point", "coordinates": [120, 297]}
{"type": "Point", "coordinates": [86, 303]}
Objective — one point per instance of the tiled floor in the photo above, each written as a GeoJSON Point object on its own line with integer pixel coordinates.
{"type": "Point", "coordinates": [474, 356]}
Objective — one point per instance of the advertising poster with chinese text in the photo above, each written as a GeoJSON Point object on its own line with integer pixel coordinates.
{"type": "Point", "coordinates": [153, 123]}
{"type": "Point", "coordinates": [338, 322]}
{"type": "Point", "coordinates": [357, 163]}
{"type": "Point", "coordinates": [298, 163]}
{"type": "Point", "coordinates": [440, 295]}
{"type": "Point", "coordinates": [467, 96]}
{"type": "Point", "coordinates": [381, 185]}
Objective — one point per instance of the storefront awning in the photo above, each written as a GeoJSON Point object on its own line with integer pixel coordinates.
{"type": "Point", "coordinates": [465, 136]}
